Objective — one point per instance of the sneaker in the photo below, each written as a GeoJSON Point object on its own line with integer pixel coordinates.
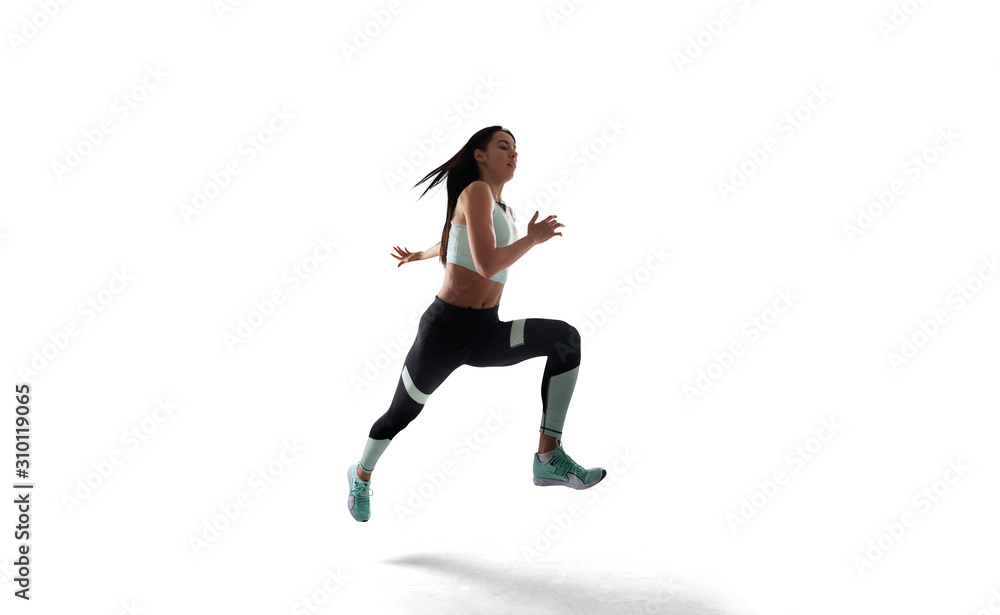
{"type": "Point", "coordinates": [560, 469]}
{"type": "Point", "coordinates": [357, 494]}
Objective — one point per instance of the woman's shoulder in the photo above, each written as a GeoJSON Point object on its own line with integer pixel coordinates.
{"type": "Point", "coordinates": [476, 190]}
{"type": "Point", "coordinates": [478, 193]}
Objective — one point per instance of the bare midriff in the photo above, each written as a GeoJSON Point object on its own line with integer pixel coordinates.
{"type": "Point", "coordinates": [466, 288]}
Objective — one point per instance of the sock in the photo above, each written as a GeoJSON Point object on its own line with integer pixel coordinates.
{"type": "Point", "coordinates": [358, 475]}
{"type": "Point", "coordinates": [544, 457]}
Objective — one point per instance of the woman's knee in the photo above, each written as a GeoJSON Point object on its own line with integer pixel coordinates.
{"type": "Point", "coordinates": [566, 340]}
{"type": "Point", "coordinates": [572, 332]}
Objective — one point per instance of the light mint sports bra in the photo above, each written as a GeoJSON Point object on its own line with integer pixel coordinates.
{"type": "Point", "coordinates": [459, 252]}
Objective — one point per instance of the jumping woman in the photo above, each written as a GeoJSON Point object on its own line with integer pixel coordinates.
{"type": "Point", "coordinates": [461, 325]}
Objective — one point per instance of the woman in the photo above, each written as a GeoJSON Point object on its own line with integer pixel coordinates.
{"type": "Point", "coordinates": [461, 326]}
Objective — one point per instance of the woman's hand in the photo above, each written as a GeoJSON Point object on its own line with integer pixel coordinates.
{"type": "Point", "coordinates": [544, 230]}
{"type": "Point", "coordinates": [405, 256]}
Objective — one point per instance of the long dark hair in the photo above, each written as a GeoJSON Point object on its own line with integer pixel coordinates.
{"type": "Point", "coordinates": [461, 170]}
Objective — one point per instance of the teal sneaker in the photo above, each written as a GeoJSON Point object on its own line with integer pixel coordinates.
{"type": "Point", "coordinates": [560, 469]}
{"type": "Point", "coordinates": [357, 494]}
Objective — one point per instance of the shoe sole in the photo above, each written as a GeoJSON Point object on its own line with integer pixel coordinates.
{"type": "Point", "coordinates": [350, 483]}
{"type": "Point", "coordinates": [548, 482]}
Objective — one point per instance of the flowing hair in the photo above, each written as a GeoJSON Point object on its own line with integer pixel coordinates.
{"type": "Point", "coordinates": [461, 170]}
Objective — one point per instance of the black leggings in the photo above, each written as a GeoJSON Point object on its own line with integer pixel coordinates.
{"type": "Point", "coordinates": [449, 336]}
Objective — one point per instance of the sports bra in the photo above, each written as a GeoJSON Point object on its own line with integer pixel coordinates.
{"type": "Point", "coordinates": [504, 234]}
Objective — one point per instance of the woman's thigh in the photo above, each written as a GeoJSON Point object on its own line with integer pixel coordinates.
{"type": "Point", "coordinates": [510, 342]}
{"type": "Point", "coordinates": [439, 349]}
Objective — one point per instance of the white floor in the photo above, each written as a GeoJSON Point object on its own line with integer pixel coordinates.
{"type": "Point", "coordinates": [484, 539]}
{"type": "Point", "coordinates": [435, 581]}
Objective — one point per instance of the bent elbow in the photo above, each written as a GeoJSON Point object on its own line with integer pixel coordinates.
{"type": "Point", "coordinates": [483, 268]}
{"type": "Point", "coordinates": [485, 272]}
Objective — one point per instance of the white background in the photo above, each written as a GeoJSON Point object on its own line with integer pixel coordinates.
{"type": "Point", "coordinates": [359, 106]}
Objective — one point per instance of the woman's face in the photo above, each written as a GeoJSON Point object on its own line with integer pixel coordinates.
{"type": "Point", "coordinates": [501, 154]}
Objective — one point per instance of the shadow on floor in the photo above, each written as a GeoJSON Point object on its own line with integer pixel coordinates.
{"type": "Point", "coordinates": [462, 583]}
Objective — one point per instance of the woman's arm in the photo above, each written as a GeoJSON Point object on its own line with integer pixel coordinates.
{"type": "Point", "coordinates": [488, 258]}
{"type": "Point", "coordinates": [506, 256]}
{"type": "Point", "coordinates": [431, 252]}
{"type": "Point", "coordinates": [405, 256]}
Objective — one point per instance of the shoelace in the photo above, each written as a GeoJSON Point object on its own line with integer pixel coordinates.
{"type": "Point", "coordinates": [358, 490]}
{"type": "Point", "coordinates": [564, 464]}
